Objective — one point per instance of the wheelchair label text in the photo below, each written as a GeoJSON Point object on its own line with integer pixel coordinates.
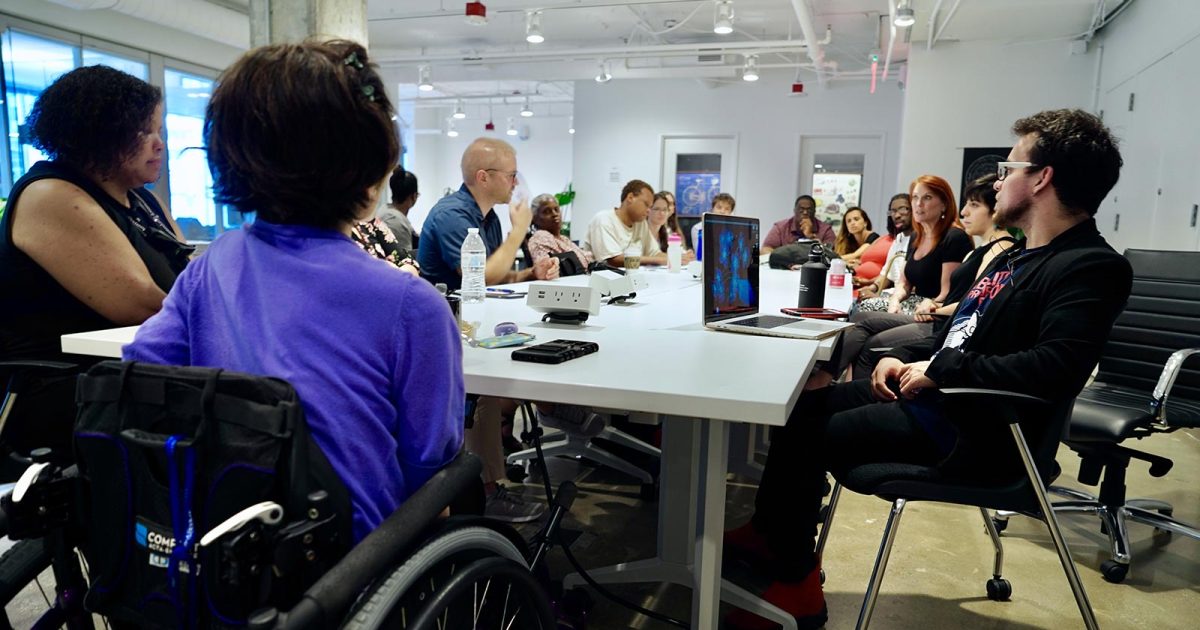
{"type": "Point", "coordinates": [156, 540]}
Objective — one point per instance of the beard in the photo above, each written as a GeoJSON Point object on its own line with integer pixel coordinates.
{"type": "Point", "coordinates": [1012, 215]}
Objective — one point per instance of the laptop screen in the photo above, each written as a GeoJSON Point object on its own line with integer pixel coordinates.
{"type": "Point", "coordinates": [730, 266]}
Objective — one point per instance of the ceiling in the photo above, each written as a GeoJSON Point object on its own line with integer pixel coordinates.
{"type": "Point", "coordinates": [675, 38]}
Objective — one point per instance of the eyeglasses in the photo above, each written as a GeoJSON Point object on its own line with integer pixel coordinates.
{"type": "Point", "coordinates": [900, 211]}
{"type": "Point", "coordinates": [1004, 168]}
{"type": "Point", "coordinates": [660, 210]}
{"type": "Point", "coordinates": [509, 174]}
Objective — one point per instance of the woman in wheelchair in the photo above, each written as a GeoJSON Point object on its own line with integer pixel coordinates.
{"type": "Point", "coordinates": [301, 135]}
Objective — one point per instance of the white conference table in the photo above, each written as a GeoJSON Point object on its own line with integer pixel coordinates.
{"type": "Point", "coordinates": [654, 357]}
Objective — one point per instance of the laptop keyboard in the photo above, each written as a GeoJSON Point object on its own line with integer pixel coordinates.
{"type": "Point", "coordinates": [766, 321]}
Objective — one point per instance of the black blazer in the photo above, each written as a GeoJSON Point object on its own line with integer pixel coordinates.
{"type": "Point", "coordinates": [1042, 334]}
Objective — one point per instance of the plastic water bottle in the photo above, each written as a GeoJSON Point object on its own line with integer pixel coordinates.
{"type": "Point", "coordinates": [812, 280]}
{"type": "Point", "coordinates": [474, 261]}
{"type": "Point", "coordinates": [674, 252]}
{"type": "Point", "coordinates": [839, 288]}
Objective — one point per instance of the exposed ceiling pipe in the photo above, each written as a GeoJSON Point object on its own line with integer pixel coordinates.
{"type": "Point", "coordinates": [932, 26]}
{"type": "Point", "coordinates": [574, 4]}
{"type": "Point", "coordinates": [949, 16]}
{"type": "Point", "coordinates": [203, 19]}
{"type": "Point", "coordinates": [887, 59]}
{"type": "Point", "coordinates": [609, 52]}
{"type": "Point", "coordinates": [815, 52]}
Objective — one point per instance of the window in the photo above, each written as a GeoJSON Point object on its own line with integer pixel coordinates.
{"type": "Point", "coordinates": [30, 64]}
{"type": "Point", "coordinates": [188, 176]}
{"type": "Point", "coordinates": [94, 57]}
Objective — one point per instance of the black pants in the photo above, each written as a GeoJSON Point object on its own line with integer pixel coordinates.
{"type": "Point", "coordinates": [871, 330]}
{"type": "Point", "coordinates": [831, 429]}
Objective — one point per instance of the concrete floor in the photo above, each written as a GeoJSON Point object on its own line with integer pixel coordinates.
{"type": "Point", "coordinates": [938, 567]}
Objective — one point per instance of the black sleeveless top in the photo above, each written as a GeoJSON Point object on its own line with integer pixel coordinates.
{"type": "Point", "coordinates": [35, 310]}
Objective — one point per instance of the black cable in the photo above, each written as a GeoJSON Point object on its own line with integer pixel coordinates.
{"type": "Point", "coordinates": [536, 434]}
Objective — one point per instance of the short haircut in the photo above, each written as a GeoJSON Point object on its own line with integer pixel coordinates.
{"type": "Point", "coordinates": [726, 197]}
{"type": "Point", "coordinates": [481, 155]}
{"type": "Point", "coordinates": [91, 118]}
{"type": "Point", "coordinates": [1082, 152]}
{"type": "Point", "coordinates": [982, 190]}
{"type": "Point", "coordinates": [403, 184]}
{"type": "Point", "coordinates": [905, 196]}
{"type": "Point", "coordinates": [300, 133]}
{"type": "Point", "coordinates": [541, 200]}
{"type": "Point", "coordinates": [635, 188]}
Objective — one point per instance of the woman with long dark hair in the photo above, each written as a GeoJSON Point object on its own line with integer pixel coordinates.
{"type": "Point", "coordinates": [855, 236]}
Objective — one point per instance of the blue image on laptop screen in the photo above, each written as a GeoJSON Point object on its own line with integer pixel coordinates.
{"type": "Point", "coordinates": [732, 271]}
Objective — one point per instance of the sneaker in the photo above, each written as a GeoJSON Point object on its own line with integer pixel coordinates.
{"type": "Point", "coordinates": [747, 546]}
{"type": "Point", "coordinates": [505, 506]}
{"type": "Point", "coordinates": [804, 600]}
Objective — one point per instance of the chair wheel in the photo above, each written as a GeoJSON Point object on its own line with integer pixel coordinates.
{"type": "Point", "coordinates": [822, 577]}
{"type": "Point", "coordinates": [515, 473]}
{"type": "Point", "coordinates": [1000, 524]}
{"type": "Point", "coordinates": [1114, 571]}
{"type": "Point", "coordinates": [999, 589]}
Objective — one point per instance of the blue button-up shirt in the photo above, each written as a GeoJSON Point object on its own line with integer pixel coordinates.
{"type": "Point", "coordinates": [445, 230]}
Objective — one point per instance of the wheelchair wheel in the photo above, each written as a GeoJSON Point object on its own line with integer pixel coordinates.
{"type": "Point", "coordinates": [20, 565]}
{"type": "Point", "coordinates": [470, 577]}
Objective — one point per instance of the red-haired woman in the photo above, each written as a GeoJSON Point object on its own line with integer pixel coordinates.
{"type": "Point", "coordinates": [937, 249]}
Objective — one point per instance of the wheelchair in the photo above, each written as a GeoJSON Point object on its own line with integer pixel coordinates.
{"type": "Point", "coordinates": [285, 567]}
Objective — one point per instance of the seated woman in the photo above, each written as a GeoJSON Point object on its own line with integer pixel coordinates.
{"type": "Point", "coordinates": [882, 330]}
{"type": "Point", "coordinates": [374, 355]}
{"type": "Point", "coordinates": [854, 237]}
{"type": "Point", "coordinates": [83, 245]}
{"type": "Point", "coordinates": [874, 259]}
{"type": "Point", "coordinates": [376, 238]}
{"type": "Point", "coordinates": [663, 221]}
{"type": "Point", "coordinates": [548, 238]}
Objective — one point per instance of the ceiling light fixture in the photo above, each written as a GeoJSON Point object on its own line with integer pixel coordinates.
{"type": "Point", "coordinates": [904, 14]}
{"type": "Point", "coordinates": [571, 125]}
{"type": "Point", "coordinates": [512, 127]}
{"type": "Point", "coordinates": [603, 76]}
{"type": "Point", "coordinates": [459, 111]}
{"type": "Point", "coordinates": [476, 14]}
{"type": "Point", "coordinates": [451, 131]}
{"type": "Point", "coordinates": [723, 19]}
{"type": "Point", "coordinates": [533, 27]}
{"type": "Point", "coordinates": [750, 70]}
{"type": "Point", "coordinates": [526, 111]}
{"type": "Point", "coordinates": [425, 80]}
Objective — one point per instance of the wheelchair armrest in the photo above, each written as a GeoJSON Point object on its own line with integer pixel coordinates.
{"type": "Point", "coordinates": [31, 366]}
{"type": "Point", "coordinates": [326, 602]}
{"type": "Point", "coordinates": [1166, 381]}
{"type": "Point", "coordinates": [993, 396]}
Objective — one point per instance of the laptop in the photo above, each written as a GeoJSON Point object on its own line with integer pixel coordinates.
{"type": "Point", "coordinates": [731, 266]}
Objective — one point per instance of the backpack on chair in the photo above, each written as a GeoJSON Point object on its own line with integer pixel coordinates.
{"type": "Point", "coordinates": [170, 453]}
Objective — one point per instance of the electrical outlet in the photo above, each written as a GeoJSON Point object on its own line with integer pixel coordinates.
{"type": "Point", "coordinates": [611, 283]}
{"type": "Point", "coordinates": [559, 298]}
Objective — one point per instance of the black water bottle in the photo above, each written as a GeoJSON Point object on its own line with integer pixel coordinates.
{"type": "Point", "coordinates": [812, 279]}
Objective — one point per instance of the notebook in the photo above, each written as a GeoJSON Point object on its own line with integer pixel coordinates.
{"type": "Point", "coordinates": [731, 267]}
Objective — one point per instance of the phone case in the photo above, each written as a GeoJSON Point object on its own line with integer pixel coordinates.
{"type": "Point", "coordinates": [505, 341]}
{"type": "Point", "coordinates": [814, 313]}
{"type": "Point", "coordinates": [555, 351]}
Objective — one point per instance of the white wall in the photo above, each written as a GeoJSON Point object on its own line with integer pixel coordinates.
{"type": "Point", "coordinates": [544, 160]}
{"type": "Point", "coordinates": [620, 123]}
{"type": "Point", "coordinates": [969, 94]}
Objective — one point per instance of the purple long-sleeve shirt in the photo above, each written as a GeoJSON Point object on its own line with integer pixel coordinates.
{"type": "Point", "coordinates": [373, 352]}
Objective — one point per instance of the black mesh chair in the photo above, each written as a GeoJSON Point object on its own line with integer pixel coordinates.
{"type": "Point", "coordinates": [1024, 494]}
{"type": "Point", "coordinates": [1141, 389]}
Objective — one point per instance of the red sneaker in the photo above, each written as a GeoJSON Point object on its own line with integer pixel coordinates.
{"type": "Point", "coordinates": [748, 545]}
{"type": "Point", "coordinates": [804, 600]}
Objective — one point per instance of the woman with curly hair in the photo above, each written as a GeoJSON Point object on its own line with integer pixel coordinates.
{"type": "Point", "coordinates": [83, 245]}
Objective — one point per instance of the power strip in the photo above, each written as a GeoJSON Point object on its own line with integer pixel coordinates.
{"type": "Point", "coordinates": [558, 298]}
{"type": "Point", "coordinates": [614, 285]}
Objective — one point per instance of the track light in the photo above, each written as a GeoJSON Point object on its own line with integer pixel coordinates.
{"type": "Point", "coordinates": [425, 79]}
{"type": "Point", "coordinates": [533, 27]}
{"type": "Point", "coordinates": [459, 111]}
{"type": "Point", "coordinates": [603, 76]}
{"type": "Point", "coordinates": [526, 112]}
{"type": "Point", "coordinates": [512, 127]}
{"type": "Point", "coordinates": [750, 70]}
{"type": "Point", "coordinates": [723, 19]}
{"type": "Point", "coordinates": [451, 131]}
{"type": "Point", "coordinates": [571, 126]}
{"type": "Point", "coordinates": [904, 14]}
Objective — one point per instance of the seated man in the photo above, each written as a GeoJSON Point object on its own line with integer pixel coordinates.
{"type": "Point", "coordinates": [611, 234]}
{"type": "Point", "coordinates": [802, 226]}
{"type": "Point", "coordinates": [1034, 323]}
{"type": "Point", "coordinates": [722, 203]}
{"type": "Point", "coordinates": [900, 214]}
{"type": "Point", "coordinates": [374, 354]}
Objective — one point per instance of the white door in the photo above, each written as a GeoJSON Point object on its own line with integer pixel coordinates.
{"type": "Point", "coordinates": [1175, 216]}
{"type": "Point", "coordinates": [841, 171]}
{"type": "Point", "coordinates": [1126, 215]}
{"type": "Point", "coordinates": [696, 168]}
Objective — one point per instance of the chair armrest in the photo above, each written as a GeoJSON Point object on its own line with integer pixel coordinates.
{"type": "Point", "coordinates": [1166, 381]}
{"type": "Point", "coordinates": [37, 366]}
{"type": "Point", "coordinates": [993, 396]}
{"type": "Point", "coordinates": [326, 602]}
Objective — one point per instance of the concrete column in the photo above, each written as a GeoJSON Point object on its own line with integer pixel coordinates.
{"type": "Point", "coordinates": [279, 21]}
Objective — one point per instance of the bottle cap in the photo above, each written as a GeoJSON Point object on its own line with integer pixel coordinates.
{"type": "Point", "coordinates": [674, 238]}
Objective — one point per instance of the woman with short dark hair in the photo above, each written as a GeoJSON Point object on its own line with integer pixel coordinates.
{"type": "Point", "coordinates": [302, 135]}
{"type": "Point", "coordinates": [83, 245]}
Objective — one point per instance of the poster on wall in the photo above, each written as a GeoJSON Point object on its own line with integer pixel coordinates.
{"type": "Point", "coordinates": [694, 192]}
{"type": "Point", "coordinates": [978, 162]}
{"type": "Point", "coordinates": [834, 192]}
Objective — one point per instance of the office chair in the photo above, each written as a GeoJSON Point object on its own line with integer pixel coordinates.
{"type": "Point", "coordinates": [901, 483]}
{"type": "Point", "coordinates": [576, 432]}
{"type": "Point", "coordinates": [1141, 389]}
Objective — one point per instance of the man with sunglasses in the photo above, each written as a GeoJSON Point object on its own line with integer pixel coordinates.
{"type": "Point", "coordinates": [1034, 323]}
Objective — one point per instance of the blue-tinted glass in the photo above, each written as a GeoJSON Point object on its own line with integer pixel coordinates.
{"type": "Point", "coordinates": [30, 64]}
{"type": "Point", "coordinates": [191, 183]}
{"type": "Point", "coordinates": [139, 69]}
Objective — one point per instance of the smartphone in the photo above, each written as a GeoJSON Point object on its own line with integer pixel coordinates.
{"type": "Point", "coordinates": [505, 341]}
{"type": "Point", "coordinates": [555, 351]}
{"type": "Point", "coordinates": [504, 294]}
{"type": "Point", "coordinates": [814, 313]}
